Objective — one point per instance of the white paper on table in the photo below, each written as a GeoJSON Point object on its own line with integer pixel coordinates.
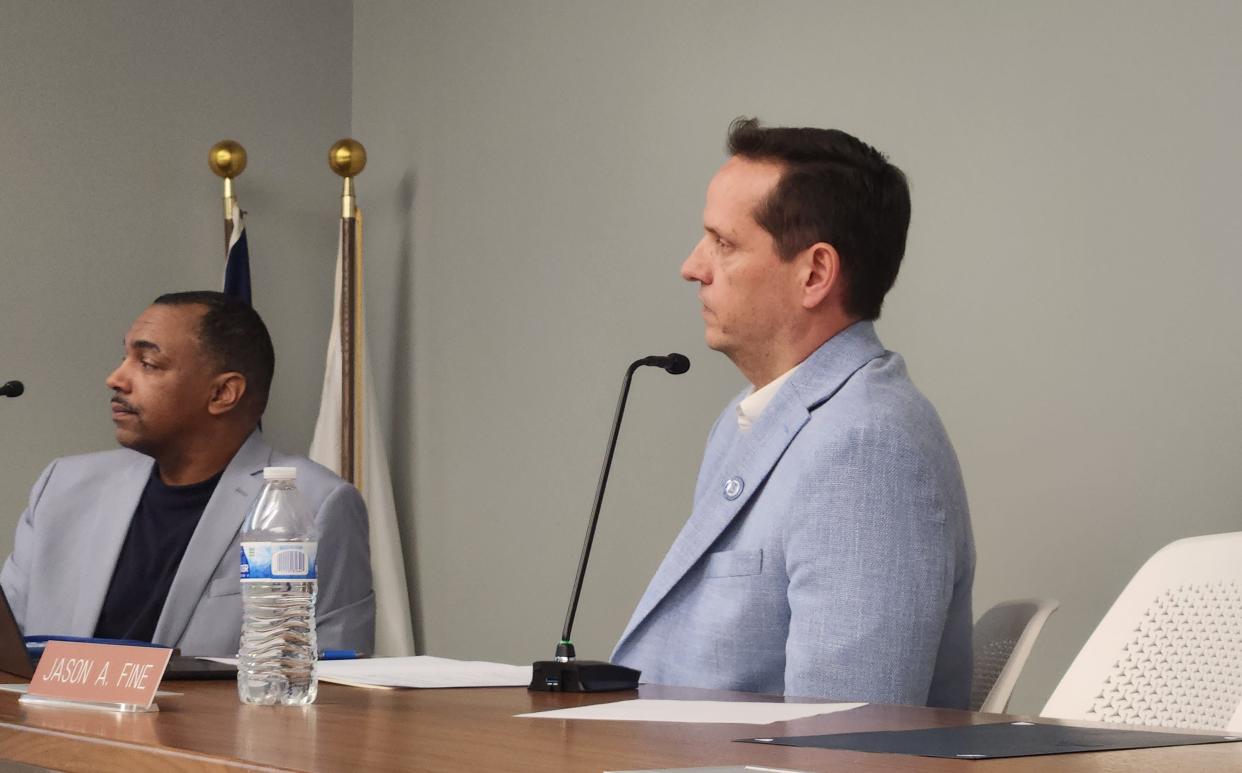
{"type": "Point", "coordinates": [423, 671]}
{"type": "Point", "coordinates": [730, 712]}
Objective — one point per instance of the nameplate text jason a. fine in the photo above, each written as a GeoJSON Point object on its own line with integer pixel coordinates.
{"type": "Point", "coordinates": [99, 673]}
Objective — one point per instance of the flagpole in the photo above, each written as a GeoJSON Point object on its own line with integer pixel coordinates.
{"type": "Point", "coordinates": [348, 158]}
{"type": "Point", "coordinates": [227, 159]}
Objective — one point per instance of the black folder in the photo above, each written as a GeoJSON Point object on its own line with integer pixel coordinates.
{"type": "Point", "coordinates": [995, 740]}
{"type": "Point", "coordinates": [18, 661]}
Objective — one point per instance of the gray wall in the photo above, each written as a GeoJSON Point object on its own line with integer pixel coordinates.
{"type": "Point", "coordinates": [106, 115]}
{"type": "Point", "coordinates": [1069, 301]}
{"type": "Point", "coordinates": [537, 173]}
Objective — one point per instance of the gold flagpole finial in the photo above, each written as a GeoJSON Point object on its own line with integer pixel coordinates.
{"type": "Point", "coordinates": [227, 159]}
{"type": "Point", "coordinates": [347, 158]}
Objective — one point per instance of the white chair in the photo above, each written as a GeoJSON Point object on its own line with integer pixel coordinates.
{"type": "Point", "coordinates": [1003, 639]}
{"type": "Point", "coordinates": [1169, 651]}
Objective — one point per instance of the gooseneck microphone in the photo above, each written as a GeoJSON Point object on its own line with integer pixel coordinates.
{"type": "Point", "coordinates": [566, 673]}
{"type": "Point", "coordinates": [676, 364]}
{"type": "Point", "coordinates": [12, 389]}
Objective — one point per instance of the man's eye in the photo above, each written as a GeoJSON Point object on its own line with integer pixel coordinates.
{"type": "Point", "coordinates": [146, 365]}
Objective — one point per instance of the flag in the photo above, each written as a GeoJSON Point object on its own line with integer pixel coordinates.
{"type": "Point", "coordinates": [393, 628]}
{"type": "Point", "coordinates": [237, 265]}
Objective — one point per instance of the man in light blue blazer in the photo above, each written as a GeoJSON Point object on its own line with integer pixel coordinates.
{"type": "Point", "coordinates": [143, 542]}
{"type": "Point", "coordinates": [829, 552]}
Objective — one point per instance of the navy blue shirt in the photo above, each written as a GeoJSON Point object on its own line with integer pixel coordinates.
{"type": "Point", "coordinates": [158, 536]}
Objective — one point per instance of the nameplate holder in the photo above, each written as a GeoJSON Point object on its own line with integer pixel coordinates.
{"type": "Point", "coordinates": [110, 677]}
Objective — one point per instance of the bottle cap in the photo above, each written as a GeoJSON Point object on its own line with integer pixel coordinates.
{"type": "Point", "coordinates": [280, 473]}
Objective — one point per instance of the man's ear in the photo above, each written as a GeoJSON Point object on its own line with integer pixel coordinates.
{"type": "Point", "coordinates": [227, 390]}
{"type": "Point", "coordinates": [822, 274]}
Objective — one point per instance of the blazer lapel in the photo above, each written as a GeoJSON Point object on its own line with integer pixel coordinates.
{"type": "Point", "coordinates": [213, 536]}
{"type": "Point", "coordinates": [753, 456]}
{"type": "Point", "coordinates": [111, 514]}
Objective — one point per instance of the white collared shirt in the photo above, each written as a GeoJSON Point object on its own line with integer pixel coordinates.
{"type": "Point", "coordinates": [752, 405]}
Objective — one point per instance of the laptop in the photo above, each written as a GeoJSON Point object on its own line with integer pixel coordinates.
{"type": "Point", "coordinates": [17, 660]}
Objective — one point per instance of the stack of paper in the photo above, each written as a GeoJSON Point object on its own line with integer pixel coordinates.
{"type": "Point", "coordinates": [422, 671]}
{"type": "Point", "coordinates": [730, 712]}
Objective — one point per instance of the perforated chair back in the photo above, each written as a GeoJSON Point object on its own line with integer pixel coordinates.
{"type": "Point", "coordinates": [1003, 639]}
{"type": "Point", "coordinates": [1169, 651]}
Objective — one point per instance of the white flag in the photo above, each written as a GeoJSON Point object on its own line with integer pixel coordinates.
{"type": "Point", "coordinates": [394, 634]}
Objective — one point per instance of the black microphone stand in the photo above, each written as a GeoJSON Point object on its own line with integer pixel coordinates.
{"type": "Point", "coordinates": [566, 673]}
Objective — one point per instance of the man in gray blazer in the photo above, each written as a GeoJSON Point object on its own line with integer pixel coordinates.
{"type": "Point", "coordinates": [829, 551]}
{"type": "Point", "coordinates": [143, 542]}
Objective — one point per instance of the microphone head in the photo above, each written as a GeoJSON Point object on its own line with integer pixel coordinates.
{"type": "Point", "coordinates": [12, 389]}
{"type": "Point", "coordinates": [676, 363]}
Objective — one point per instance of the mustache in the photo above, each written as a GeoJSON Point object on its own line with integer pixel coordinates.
{"type": "Point", "coordinates": [123, 403]}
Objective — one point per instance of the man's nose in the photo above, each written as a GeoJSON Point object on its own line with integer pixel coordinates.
{"type": "Point", "coordinates": [114, 381]}
{"type": "Point", "coordinates": [694, 268]}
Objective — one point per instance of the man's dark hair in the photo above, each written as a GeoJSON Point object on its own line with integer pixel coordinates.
{"type": "Point", "coordinates": [232, 333]}
{"type": "Point", "coordinates": [836, 189]}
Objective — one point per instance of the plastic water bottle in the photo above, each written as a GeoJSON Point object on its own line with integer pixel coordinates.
{"type": "Point", "coordinates": [276, 662]}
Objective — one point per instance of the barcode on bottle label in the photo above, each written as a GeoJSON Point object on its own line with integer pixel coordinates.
{"type": "Point", "coordinates": [283, 561]}
{"type": "Point", "coordinates": [288, 562]}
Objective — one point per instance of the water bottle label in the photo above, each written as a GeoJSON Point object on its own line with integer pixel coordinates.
{"type": "Point", "coordinates": [278, 561]}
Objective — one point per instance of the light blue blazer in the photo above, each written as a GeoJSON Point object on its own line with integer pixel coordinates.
{"type": "Point", "coordinates": [829, 552]}
{"type": "Point", "coordinates": [70, 537]}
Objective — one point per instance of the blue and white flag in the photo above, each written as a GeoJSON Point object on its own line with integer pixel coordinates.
{"type": "Point", "coordinates": [237, 267]}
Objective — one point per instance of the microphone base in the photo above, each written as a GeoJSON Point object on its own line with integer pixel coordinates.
{"type": "Point", "coordinates": [582, 676]}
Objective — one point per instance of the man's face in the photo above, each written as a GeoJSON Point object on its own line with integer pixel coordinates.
{"type": "Point", "coordinates": [161, 389]}
{"type": "Point", "coordinates": [748, 293]}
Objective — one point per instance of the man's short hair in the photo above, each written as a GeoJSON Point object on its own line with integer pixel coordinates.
{"type": "Point", "coordinates": [835, 189]}
{"type": "Point", "coordinates": [233, 335]}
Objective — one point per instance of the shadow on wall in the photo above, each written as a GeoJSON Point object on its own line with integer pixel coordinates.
{"type": "Point", "coordinates": [402, 429]}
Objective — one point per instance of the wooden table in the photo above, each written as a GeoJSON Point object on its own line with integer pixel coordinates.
{"type": "Point", "coordinates": [357, 730]}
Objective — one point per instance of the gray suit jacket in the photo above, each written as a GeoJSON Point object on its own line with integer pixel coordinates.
{"type": "Point", "coordinates": [70, 537]}
{"type": "Point", "coordinates": [829, 552]}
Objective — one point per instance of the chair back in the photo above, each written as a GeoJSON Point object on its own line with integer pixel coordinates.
{"type": "Point", "coordinates": [1003, 639]}
{"type": "Point", "coordinates": [1169, 651]}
